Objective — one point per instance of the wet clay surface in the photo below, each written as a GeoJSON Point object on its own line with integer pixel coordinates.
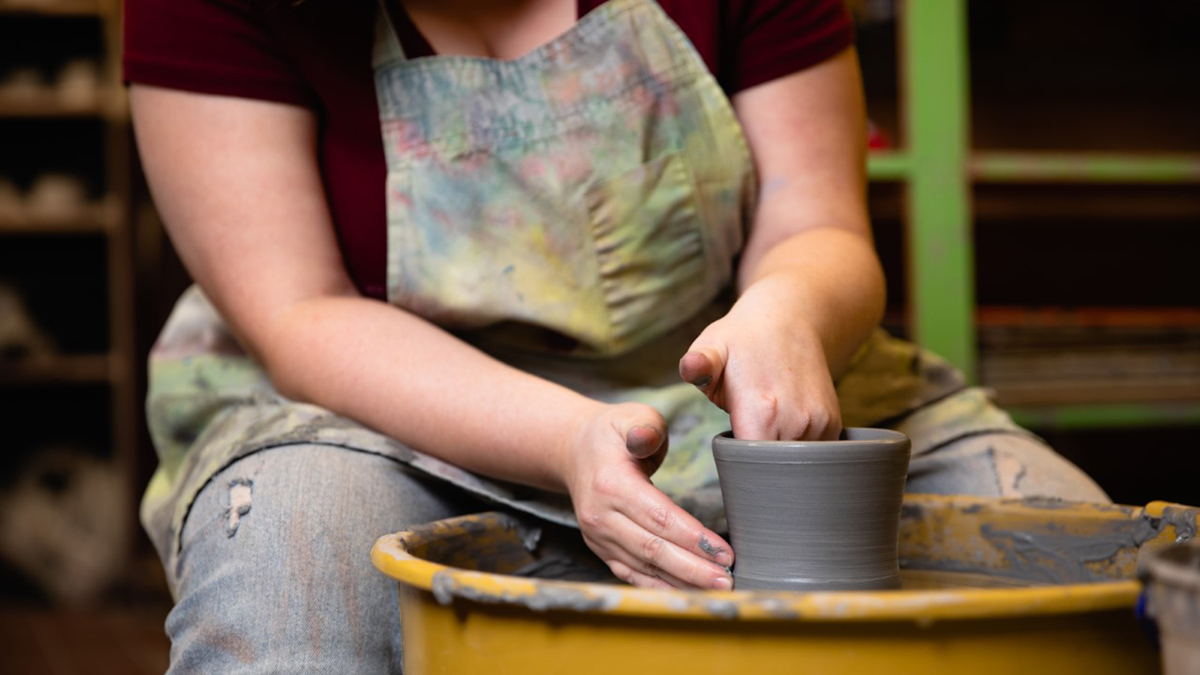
{"type": "Point", "coordinates": [814, 515]}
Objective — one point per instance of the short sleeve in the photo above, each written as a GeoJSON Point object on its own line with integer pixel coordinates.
{"type": "Point", "coordinates": [222, 47]}
{"type": "Point", "coordinates": [779, 37]}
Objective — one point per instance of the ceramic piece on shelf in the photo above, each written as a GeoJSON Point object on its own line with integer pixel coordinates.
{"type": "Point", "coordinates": [23, 84]}
{"type": "Point", "coordinates": [63, 522]}
{"type": "Point", "coordinates": [872, 11]}
{"type": "Point", "coordinates": [20, 337]}
{"type": "Point", "coordinates": [78, 83]}
{"type": "Point", "coordinates": [814, 515]}
{"type": "Point", "coordinates": [12, 206]}
{"type": "Point", "coordinates": [56, 196]}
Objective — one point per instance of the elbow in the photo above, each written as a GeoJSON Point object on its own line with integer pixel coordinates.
{"type": "Point", "coordinates": [286, 382]}
{"type": "Point", "coordinates": [287, 347]}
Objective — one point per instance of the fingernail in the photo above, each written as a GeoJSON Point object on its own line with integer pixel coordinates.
{"type": "Point", "coordinates": [703, 381]}
{"type": "Point", "coordinates": [723, 559]}
{"type": "Point", "coordinates": [723, 584]}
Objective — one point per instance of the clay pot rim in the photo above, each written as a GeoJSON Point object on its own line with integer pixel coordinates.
{"type": "Point", "coordinates": [878, 445]}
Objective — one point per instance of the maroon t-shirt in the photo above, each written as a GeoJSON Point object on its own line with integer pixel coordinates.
{"type": "Point", "coordinates": [317, 54]}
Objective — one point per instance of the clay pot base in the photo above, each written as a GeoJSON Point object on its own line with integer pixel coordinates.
{"type": "Point", "coordinates": [814, 515]}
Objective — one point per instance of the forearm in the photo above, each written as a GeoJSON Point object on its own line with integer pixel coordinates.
{"type": "Point", "coordinates": [825, 279]}
{"type": "Point", "coordinates": [422, 386]}
{"type": "Point", "coordinates": [810, 258]}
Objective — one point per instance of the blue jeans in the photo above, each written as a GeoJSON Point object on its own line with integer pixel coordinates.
{"type": "Point", "coordinates": [275, 575]}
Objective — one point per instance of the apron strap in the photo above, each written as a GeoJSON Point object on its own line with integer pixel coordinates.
{"type": "Point", "coordinates": [387, 50]}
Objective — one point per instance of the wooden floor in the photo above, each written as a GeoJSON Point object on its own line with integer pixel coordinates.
{"type": "Point", "coordinates": [118, 640]}
{"type": "Point", "coordinates": [122, 635]}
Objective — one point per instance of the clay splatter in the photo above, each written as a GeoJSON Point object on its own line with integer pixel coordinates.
{"type": "Point", "coordinates": [710, 550]}
{"type": "Point", "coordinates": [240, 494]}
{"type": "Point", "coordinates": [547, 597]}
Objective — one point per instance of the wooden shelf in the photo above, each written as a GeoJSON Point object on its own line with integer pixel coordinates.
{"type": "Point", "coordinates": [46, 103]}
{"type": "Point", "coordinates": [1131, 362]}
{"type": "Point", "coordinates": [1088, 317]}
{"type": "Point", "coordinates": [77, 8]}
{"type": "Point", "coordinates": [95, 218]}
{"type": "Point", "coordinates": [59, 369]}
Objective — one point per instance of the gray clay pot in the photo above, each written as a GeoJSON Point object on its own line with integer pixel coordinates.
{"type": "Point", "coordinates": [814, 515]}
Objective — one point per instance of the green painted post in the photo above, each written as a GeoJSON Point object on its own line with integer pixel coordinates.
{"type": "Point", "coordinates": [941, 255]}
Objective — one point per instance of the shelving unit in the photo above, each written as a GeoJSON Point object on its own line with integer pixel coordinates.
{"type": "Point", "coordinates": [940, 172]}
{"type": "Point", "coordinates": [94, 368]}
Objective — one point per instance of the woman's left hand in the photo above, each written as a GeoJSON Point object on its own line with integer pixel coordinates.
{"type": "Point", "coordinates": [767, 368]}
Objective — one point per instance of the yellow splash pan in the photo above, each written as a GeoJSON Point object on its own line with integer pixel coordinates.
{"type": "Point", "coordinates": [991, 586]}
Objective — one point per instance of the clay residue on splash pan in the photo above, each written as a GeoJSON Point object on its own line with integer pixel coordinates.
{"type": "Point", "coordinates": [1183, 520]}
{"type": "Point", "coordinates": [1058, 557]}
{"type": "Point", "coordinates": [546, 596]}
{"type": "Point", "coordinates": [1046, 552]}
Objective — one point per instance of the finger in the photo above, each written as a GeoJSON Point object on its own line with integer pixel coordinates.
{"type": "Point", "coordinates": [822, 423]}
{"type": "Point", "coordinates": [653, 555]}
{"type": "Point", "coordinates": [763, 419]}
{"type": "Point", "coordinates": [655, 513]}
{"type": "Point", "coordinates": [635, 578]}
{"type": "Point", "coordinates": [756, 416]}
{"type": "Point", "coordinates": [831, 430]}
{"type": "Point", "coordinates": [629, 569]}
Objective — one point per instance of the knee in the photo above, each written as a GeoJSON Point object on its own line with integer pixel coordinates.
{"type": "Point", "coordinates": [313, 493]}
{"type": "Point", "coordinates": [1026, 467]}
{"type": "Point", "coordinates": [276, 550]}
{"type": "Point", "coordinates": [1001, 465]}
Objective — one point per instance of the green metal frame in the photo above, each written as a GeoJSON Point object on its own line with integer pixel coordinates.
{"type": "Point", "coordinates": [941, 249]}
{"type": "Point", "coordinates": [1107, 415]}
{"type": "Point", "coordinates": [939, 169]}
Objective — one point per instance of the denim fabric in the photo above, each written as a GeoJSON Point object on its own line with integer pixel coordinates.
{"type": "Point", "coordinates": [1005, 465]}
{"type": "Point", "coordinates": [275, 574]}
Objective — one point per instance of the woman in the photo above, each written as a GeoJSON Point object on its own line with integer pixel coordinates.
{"type": "Point", "coordinates": [458, 250]}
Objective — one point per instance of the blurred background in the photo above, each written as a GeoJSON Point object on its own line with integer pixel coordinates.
{"type": "Point", "coordinates": [1035, 189]}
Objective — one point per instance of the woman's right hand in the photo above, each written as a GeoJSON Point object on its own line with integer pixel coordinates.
{"type": "Point", "coordinates": [646, 539]}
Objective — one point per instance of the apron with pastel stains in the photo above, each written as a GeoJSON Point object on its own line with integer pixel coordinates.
{"type": "Point", "coordinates": [576, 213]}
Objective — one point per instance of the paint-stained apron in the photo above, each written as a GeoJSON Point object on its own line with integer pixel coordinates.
{"type": "Point", "coordinates": [576, 213]}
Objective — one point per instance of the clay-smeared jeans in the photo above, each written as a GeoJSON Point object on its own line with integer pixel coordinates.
{"type": "Point", "coordinates": [275, 575]}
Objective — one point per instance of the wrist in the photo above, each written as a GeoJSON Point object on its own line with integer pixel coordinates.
{"type": "Point", "coordinates": [569, 440]}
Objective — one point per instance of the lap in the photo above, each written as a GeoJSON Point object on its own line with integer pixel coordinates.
{"type": "Point", "coordinates": [1001, 465]}
{"type": "Point", "coordinates": [275, 573]}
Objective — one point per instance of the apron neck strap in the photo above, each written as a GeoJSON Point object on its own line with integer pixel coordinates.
{"type": "Point", "coordinates": [387, 50]}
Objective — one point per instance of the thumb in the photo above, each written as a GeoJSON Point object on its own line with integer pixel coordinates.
{"type": "Point", "coordinates": [644, 441]}
{"type": "Point", "coordinates": [702, 367]}
{"type": "Point", "coordinates": [644, 430]}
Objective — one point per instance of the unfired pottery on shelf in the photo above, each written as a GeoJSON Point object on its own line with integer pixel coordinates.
{"type": "Point", "coordinates": [814, 515]}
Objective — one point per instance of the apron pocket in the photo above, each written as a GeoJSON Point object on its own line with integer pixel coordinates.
{"type": "Point", "coordinates": [649, 249]}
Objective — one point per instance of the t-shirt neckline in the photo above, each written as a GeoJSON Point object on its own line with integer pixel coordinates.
{"type": "Point", "coordinates": [414, 43]}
